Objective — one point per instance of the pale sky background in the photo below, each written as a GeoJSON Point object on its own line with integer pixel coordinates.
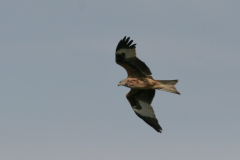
{"type": "Point", "coordinates": [58, 79]}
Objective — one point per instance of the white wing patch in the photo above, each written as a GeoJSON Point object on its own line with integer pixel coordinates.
{"type": "Point", "coordinates": [128, 52]}
{"type": "Point", "coordinates": [146, 110]}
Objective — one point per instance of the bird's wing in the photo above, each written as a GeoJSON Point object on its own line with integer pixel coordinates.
{"type": "Point", "coordinates": [126, 57]}
{"type": "Point", "coordinates": [140, 101]}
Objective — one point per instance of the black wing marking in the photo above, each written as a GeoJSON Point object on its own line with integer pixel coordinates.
{"type": "Point", "coordinates": [140, 101]}
{"type": "Point", "coordinates": [123, 43]}
{"type": "Point", "coordinates": [126, 57]}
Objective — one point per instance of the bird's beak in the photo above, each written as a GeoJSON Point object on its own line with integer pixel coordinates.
{"type": "Point", "coordinates": [119, 84]}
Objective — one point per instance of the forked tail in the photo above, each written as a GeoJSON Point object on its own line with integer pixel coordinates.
{"type": "Point", "coordinates": [167, 85]}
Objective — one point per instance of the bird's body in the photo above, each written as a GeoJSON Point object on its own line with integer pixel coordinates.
{"type": "Point", "coordinates": [136, 83]}
{"type": "Point", "coordinates": [149, 83]}
{"type": "Point", "coordinates": [141, 83]}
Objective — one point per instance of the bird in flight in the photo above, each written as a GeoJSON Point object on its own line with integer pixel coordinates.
{"type": "Point", "coordinates": [141, 83]}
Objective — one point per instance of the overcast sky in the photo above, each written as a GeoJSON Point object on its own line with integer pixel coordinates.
{"type": "Point", "coordinates": [58, 79]}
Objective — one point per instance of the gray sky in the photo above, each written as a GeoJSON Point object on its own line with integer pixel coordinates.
{"type": "Point", "coordinates": [58, 79]}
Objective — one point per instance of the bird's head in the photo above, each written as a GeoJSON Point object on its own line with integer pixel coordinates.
{"type": "Point", "coordinates": [122, 83]}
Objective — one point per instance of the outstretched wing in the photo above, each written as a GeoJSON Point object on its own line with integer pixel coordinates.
{"type": "Point", "coordinates": [140, 101]}
{"type": "Point", "coordinates": [126, 57]}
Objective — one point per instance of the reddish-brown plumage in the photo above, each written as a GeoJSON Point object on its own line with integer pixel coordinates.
{"type": "Point", "coordinates": [144, 83]}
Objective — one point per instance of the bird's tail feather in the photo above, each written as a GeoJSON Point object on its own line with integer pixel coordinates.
{"type": "Point", "coordinates": [171, 82]}
{"type": "Point", "coordinates": [167, 85]}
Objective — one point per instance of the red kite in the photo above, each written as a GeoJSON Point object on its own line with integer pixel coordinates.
{"type": "Point", "coordinates": [141, 83]}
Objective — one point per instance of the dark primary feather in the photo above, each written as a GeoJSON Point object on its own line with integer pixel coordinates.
{"type": "Point", "coordinates": [153, 122]}
{"type": "Point", "coordinates": [145, 112]}
{"type": "Point", "coordinates": [134, 66]}
{"type": "Point", "coordinates": [123, 43]}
